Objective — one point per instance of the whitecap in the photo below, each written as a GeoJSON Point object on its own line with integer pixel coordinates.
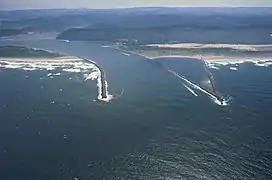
{"type": "Point", "coordinates": [220, 103]}
{"type": "Point", "coordinates": [234, 68]}
{"type": "Point", "coordinates": [71, 70]}
{"type": "Point", "coordinates": [29, 69]}
{"type": "Point", "coordinates": [126, 54]}
{"type": "Point", "coordinates": [236, 62]}
{"type": "Point", "coordinates": [91, 76]}
{"type": "Point", "coordinates": [213, 67]}
{"type": "Point", "coordinates": [89, 70]}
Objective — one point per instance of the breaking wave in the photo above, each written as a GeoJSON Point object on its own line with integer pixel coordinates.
{"type": "Point", "coordinates": [216, 64]}
{"type": "Point", "coordinates": [89, 70]}
{"type": "Point", "coordinates": [234, 68]}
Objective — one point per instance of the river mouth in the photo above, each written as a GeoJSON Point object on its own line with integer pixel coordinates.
{"type": "Point", "coordinates": [158, 129]}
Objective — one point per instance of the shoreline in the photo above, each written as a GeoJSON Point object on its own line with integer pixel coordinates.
{"type": "Point", "coordinates": [208, 58]}
{"type": "Point", "coordinates": [103, 94]}
{"type": "Point", "coordinates": [245, 47]}
{"type": "Point", "coordinates": [41, 59]}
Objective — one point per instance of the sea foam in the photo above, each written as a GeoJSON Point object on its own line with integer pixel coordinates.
{"type": "Point", "coordinates": [88, 70]}
{"type": "Point", "coordinates": [216, 64]}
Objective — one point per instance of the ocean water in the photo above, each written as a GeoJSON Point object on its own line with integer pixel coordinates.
{"type": "Point", "coordinates": [53, 127]}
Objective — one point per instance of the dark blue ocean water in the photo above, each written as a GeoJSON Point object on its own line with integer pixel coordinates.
{"type": "Point", "coordinates": [156, 130]}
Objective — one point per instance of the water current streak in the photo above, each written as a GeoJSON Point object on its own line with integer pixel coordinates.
{"type": "Point", "coordinates": [188, 83]}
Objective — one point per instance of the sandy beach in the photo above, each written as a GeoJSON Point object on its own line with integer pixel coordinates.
{"type": "Point", "coordinates": [245, 47]}
{"type": "Point", "coordinates": [214, 58]}
{"type": "Point", "coordinates": [40, 59]}
{"type": "Point", "coordinates": [206, 57]}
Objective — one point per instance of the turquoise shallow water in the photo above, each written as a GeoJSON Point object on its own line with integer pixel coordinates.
{"type": "Point", "coordinates": [156, 130]}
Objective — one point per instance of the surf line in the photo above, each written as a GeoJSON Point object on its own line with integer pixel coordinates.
{"type": "Point", "coordinates": [104, 92]}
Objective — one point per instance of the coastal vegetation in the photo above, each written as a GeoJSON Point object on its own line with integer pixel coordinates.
{"type": "Point", "coordinates": [23, 52]}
